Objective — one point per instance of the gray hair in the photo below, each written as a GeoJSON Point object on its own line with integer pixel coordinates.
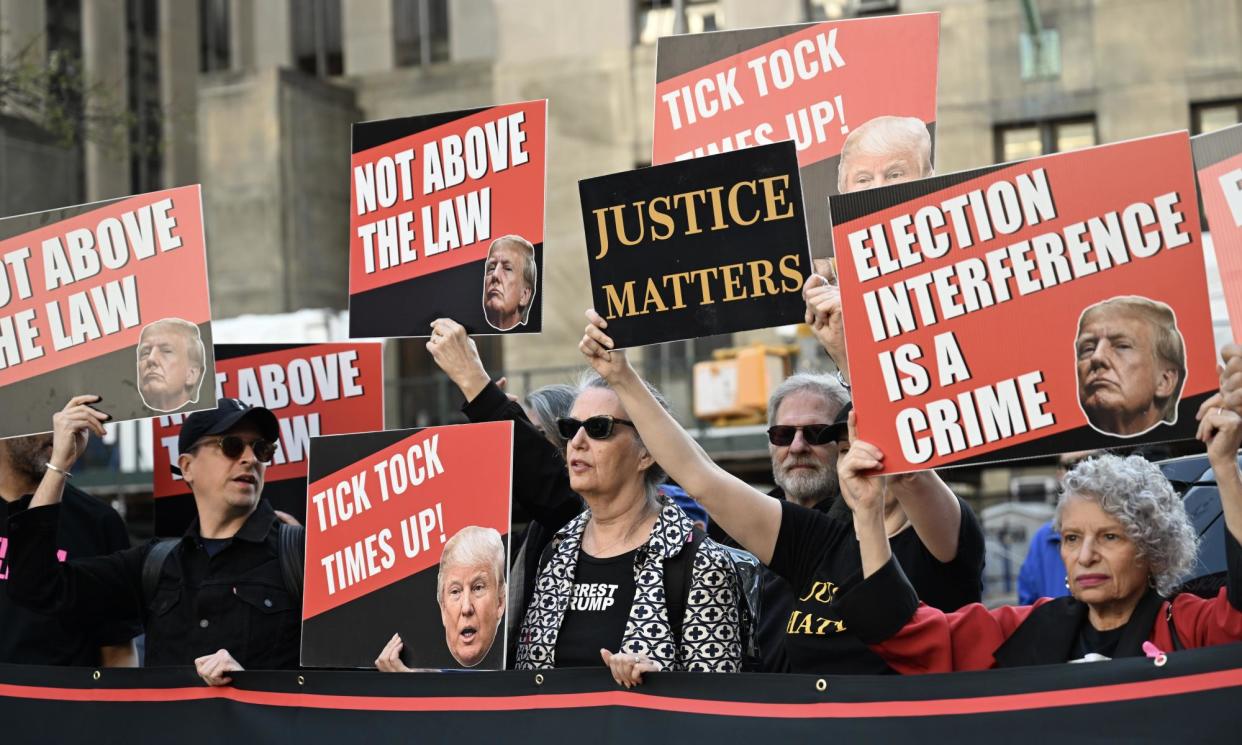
{"type": "Point", "coordinates": [824, 386]}
{"type": "Point", "coordinates": [1133, 491]}
{"type": "Point", "coordinates": [655, 475]}
{"type": "Point", "coordinates": [549, 403]}
{"type": "Point", "coordinates": [473, 546]}
{"type": "Point", "coordinates": [529, 271]}
{"type": "Point", "coordinates": [1166, 341]}
{"type": "Point", "coordinates": [887, 134]}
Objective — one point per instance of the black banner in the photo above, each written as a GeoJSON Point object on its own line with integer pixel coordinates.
{"type": "Point", "coordinates": [1191, 698]}
{"type": "Point", "coordinates": [696, 248]}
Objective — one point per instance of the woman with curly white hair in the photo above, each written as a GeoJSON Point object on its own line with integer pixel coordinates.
{"type": "Point", "coordinates": [1126, 541]}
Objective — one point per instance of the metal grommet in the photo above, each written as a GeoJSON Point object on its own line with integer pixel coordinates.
{"type": "Point", "coordinates": [301, 680]}
{"type": "Point", "coordinates": [96, 675]}
{"type": "Point", "coordinates": [1161, 659]}
{"type": "Point", "coordinates": [538, 679]}
{"type": "Point", "coordinates": [821, 685]}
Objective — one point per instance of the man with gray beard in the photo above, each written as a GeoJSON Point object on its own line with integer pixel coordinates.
{"type": "Point", "coordinates": [940, 548]}
{"type": "Point", "coordinates": [88, 527]}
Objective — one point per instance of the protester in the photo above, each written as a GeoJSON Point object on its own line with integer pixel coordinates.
{"type": "Point", "coordinates": [1131, 365]}
{"type": "Point", "coordinates": [1126, 540]}
{"type": "Point", "coordinates": [816, 553]}
{"type": "Point", "coordinates": [1043, 573]}
{"type": "Point", "coordinates": [88, 527]}
{"type": "Point", "coordinates": [221, 600]}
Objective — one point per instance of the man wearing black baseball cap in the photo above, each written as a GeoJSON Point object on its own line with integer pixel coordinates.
{"type": "Point", "coordinates": [218, 596]}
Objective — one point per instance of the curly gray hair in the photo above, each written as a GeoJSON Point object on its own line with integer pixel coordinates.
{"type": "Point", "coordinates": [1134, 492]}
{"type": "Point", "coordinates": [654, 475]}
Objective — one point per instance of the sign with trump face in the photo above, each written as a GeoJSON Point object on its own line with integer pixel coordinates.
{"type": "Point", "coordinates": [1043, 306]}
{"type": "Point", "coordinates": [446, 221]}
{"type": "Point", "coordinates": [857, 97]}
{"type": "Point", "coordinates": [107, 298]}
{"type": "Point", "coordinates": [407, 535]}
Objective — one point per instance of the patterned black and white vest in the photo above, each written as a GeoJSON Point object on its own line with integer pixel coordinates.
{"type": "Point", "coordinates": [710, 636]}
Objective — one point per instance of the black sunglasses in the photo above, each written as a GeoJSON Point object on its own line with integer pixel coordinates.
{"type": "Point", "coordinates": [597, 427]}
{"type": "Point", "coordinates": [233, 446]}
{"type": "Point", "coordinates": [782, 435]}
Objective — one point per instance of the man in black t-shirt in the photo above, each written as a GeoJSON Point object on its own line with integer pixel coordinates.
{"type": "Point", "coordinates": [88, 527]}
{"type": "Point", "coordinates": [816, 553]}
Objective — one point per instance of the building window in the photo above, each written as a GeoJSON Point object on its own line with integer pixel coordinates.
{"type": "Point", "coordinates": [1028, 140]}
{"type": "Point", "coordinates": [658, 18]}
{"type": "Point", "coordinates": [317, 37]}
{"type": "Point", "coordinates": [214, 52]}
{"type": "Point", "coordinates": [1039, 55]}
{"type": "Point", "coordinates": [875, 7]}
{"type": "Point", "coordinates": [1209, 117]}
{"type": "Point", "coordinates": [146, 162]}
{"type": "Point", "coordinates": [420, 31]}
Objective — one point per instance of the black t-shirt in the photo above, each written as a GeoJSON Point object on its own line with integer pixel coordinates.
{"type": "Point", "coordinates": [87, 527]}
{"type": "Point", "coordinates": [599, 607]}
{"type": "Point", "coordinates": [1100, 642]}
{"type": "Point", "coordinates": [818, 555]}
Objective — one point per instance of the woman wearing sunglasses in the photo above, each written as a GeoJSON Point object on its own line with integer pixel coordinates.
{"type": "Point", "coordinates": [597, 591]}
{"type": "Point", "coordinates": [814, 551]}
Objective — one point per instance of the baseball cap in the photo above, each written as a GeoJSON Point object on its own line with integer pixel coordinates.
{"type": "Point", "coordinates": [229, 412]}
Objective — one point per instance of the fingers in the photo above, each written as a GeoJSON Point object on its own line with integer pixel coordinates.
{"type": "Point", "coordinates": [87, 398]}
{"type": "Point", "coordinates": [851, 425]}
{"type": "Point", "coordinates": [502, 383]}
{"type": "Point", "coordinates": [596, 319]}
{"type": "Point", "coordinates": [811, 283]}
{"type": "Point", "coordinates": [1213, 402]}
{"type": "Point", "coordinates": [627, 668]}
{"type": "Point", "coordinates": [287, 519]}
{"type": "Point", "coordinates": [389, 660]}
{"type": "Point", "coordinates": [213, 668]}
{"type": "Point", "coordinates": [597, 334]}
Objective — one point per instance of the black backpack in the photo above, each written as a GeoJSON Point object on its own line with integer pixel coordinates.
{"type": "Point", "coordinates": [291, 548]}
{"type": "Point", "coordinates": [677, 571]}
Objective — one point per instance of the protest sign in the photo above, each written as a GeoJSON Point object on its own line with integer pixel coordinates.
{"type": "Point", "coordinates": [708, 246]}
{"type": "Point", "coordinates": [313, 389]}
{"type": "Point", "coordinates": [446, 220]}
{"type": "Point", "coordinates": [870, 82]}
{"type": "Point", "coordinates": [1218, 158]}
{"type": "Point", "coordinates": [107, 298]}
{"type": "Point", "coordinates": [383, 509]}
{"type": "Point", "coordinates": [1043, 306]}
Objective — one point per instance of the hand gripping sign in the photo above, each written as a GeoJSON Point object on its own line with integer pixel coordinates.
{"type": "Point", "coordinates": [857, 98]}
{"type": "Point", "coordinates": [446, 220]}
{"type": "Point", "coordinates": [407, 532]}
{"type": "Point", "coordinates": [1043, 306]}
{"type": "Point", "coordinates": [108, 298]}
{"type": "Point", "coordinates": [313, 389]}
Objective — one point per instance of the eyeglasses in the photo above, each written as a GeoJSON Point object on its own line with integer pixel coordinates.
{"type": "Point", "coordinates": [233, 446]}
{"type": "Point", "coordinates": [597, 427]}
{"type": "Point", "coordinates": [783, 435]}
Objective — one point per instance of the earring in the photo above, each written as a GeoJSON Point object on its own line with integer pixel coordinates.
{"type": "Point", "coordinates": [1067, 581]}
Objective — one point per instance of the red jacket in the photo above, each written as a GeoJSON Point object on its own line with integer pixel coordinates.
{"type": "Point", "coordinates": [915, 638]}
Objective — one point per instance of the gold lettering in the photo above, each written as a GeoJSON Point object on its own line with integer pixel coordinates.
{"type": "Point", "coordinates": [623, 305]}
{"type": "Point", "coordinates": [692, 217]}
{"type": "Point", "coordinates": [792, 274]}
{"type": "Point", "coordinates": [718, 222]}
{"type": "Point", "coordinates": [733, 209]}
{"type": "Point", "coordinates": [761, 274]}
{"type": "Point", "coordinates": [732, 283]}
{"type": "Point", "coordinates": [661, 217]}
{"type": "Point", "coordinates": [773, 197]}
{"type": "Point", "coordinates": [653, 296]}
{"type": "Point", "coordinates": [677, 278]}
{"type": "Point", "coordinates": [603, 232]}
{"type": "Point", "coordinates": [804, 627]}
{"type": "Point", "coordinates": [705, 288]}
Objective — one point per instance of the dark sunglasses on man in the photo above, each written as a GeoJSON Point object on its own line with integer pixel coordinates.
{"type": "Point", "coordinates": [597, 427]}
{"type": "Point", "coordinates": [782, 435]}
{"type": "Point", "coordinates": [233, 446]}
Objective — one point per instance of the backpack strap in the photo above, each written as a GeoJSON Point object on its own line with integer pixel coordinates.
{"type": "Point", "coordinates": [292, 552]}
{"type": "Point", "coordinates": [153, 566]}
{"type": "Point", "coordinates": [1168, 617]}
{"type": "Point", "coordinates": [677, 572]}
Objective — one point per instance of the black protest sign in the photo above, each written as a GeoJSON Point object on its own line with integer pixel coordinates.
{"type": "Point", "coordinates": [707, 246]}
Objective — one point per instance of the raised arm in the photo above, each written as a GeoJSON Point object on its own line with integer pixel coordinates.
{"type": "Point", "coordinates": [933, 509]}
{"type": "Point", "coordinates": [1221, 429]}
{"type": "Point", "coordinates": [752, 518]}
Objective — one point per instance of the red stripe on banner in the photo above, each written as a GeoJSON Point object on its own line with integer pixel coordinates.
{"type": "Point", "coordinates": [865, 710]}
